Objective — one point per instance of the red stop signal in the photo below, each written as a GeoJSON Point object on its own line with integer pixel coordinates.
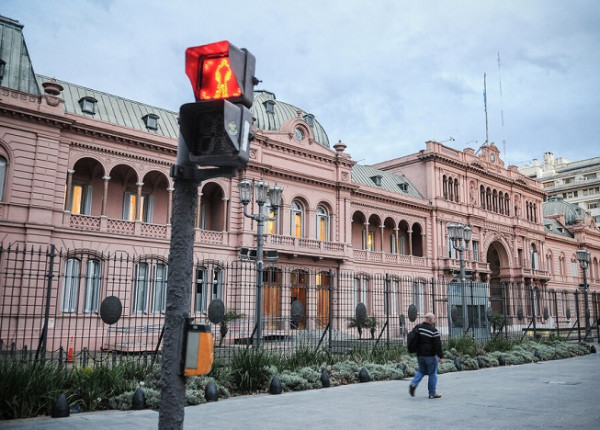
{"type": "Point", "coordinates": [218, 80]}
{"type": "Point", "coordinates": [221, 71]}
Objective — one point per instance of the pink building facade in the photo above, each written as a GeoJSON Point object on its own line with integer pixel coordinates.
{"type": "Point", "coordinates": [88, 172]}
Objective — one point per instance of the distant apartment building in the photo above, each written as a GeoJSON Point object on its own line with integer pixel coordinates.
{"type": "Point", "coordinates": [576, 182]}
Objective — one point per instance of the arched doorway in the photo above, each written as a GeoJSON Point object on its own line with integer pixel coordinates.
{"type": "Point", "coordinates": [498, 261]}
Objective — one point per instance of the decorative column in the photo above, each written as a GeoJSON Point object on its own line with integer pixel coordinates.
{"type": "Point", "coordinates": [169, 204]}
{"type": "Point", "coordinates": [397, 239]}
{"type": "Point", "coordinates": [410, 251]}
{"type": "Point", "coordinates": [139, 201]}
{"type": "Point", "coordinates": [69, 199]}
{"type": "Point", "coordinates": [225, 212]}
{"type": "Point", "coordinates": [198, 222]}
{"type": "Point", "coordinates": [381, 234]}
{"type": "Point", "coordinates": [105, 194]}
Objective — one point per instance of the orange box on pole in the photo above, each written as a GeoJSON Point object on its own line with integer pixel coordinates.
{"type": "Point", "coordinates": [199, 353]}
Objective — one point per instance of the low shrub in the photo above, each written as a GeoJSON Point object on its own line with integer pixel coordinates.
{"type": "Point", "coordinates": [464, 345]}
{"type": "Point", "coordinates": [251, 370]}
{"type": "Point", "coordinates": [21, 395]}
{"type": "Point", "coordinates": [380, 372]}
{"type": "Point", "coordinates": [345, 372]}
{"type": "Point", "coordinates": [304, 379]}
{"type": "Point", "coordinates": [499, 344]}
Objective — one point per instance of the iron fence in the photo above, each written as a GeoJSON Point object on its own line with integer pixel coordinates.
{"type": "Point", "coordinates": [51, 302]}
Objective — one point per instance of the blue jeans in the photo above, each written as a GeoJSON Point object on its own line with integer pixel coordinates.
{"type": "Point", "coordinates": [427, 366]}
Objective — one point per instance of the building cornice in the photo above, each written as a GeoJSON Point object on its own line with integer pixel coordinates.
{"type": "Point", "coordinates": [122, 154]}
{"type": "Point", "coordinates": [480, 169]}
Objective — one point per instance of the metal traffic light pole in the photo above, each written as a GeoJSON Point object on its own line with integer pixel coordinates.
{"type": "Point", "coordinates": [213, 142]}
{"type": "Point", "coordinates": [181, 263]}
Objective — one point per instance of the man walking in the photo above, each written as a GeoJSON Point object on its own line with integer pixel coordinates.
{"type": "Point", "coordinates": [428, 350]}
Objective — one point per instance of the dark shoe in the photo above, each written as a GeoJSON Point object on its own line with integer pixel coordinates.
{"type": "Point", "coordinates": [411, 390]}
{"type": "Point", "coordinates": [435, 396]}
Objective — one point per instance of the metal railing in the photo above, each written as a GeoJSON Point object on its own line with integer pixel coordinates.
{"type": "Point", "coordinates": [50, 302]}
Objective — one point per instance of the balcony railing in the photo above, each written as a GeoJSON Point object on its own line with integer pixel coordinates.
{"type": "Point", "coordinates": [304, 245]}
{"type": "Point", "coordinates": [386, 257]}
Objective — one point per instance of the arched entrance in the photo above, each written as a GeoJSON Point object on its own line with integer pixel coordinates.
{"type": "Point", "coordinates": [498, 261]}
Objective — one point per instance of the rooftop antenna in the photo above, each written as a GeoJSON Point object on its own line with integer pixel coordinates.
{"type": "Point", "coordinates": [485, 108]}
{"type": "Point", "coordinates": [501, 107]}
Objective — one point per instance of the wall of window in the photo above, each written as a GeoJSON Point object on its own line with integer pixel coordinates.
{"type": "Point", "coordinates": [150, 294]}
{"type": "Point", "coordinates": [2, 177]}
{"type": "Point", "coordinates": [81, 284]}
{"type": "Point", "coordinates": [209, 286]}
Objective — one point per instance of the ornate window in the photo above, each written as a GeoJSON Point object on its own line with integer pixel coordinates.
{"type": "Point", "coordinates": [322, 223]}
{"type": "Point", "coordinates": [150, 287]}
{"type": "Point", "coordinates": [71, 285]}
{"type": "Point", "coordinates": [456, 190]}
{"type": "Point", "coordinates": [534, 257]}
{"type": "Point", "coordinates": [81, 199]}
{"type": "Point", "coordinates": [130, 207]}
{"type": "Point", "coordinates": [208, 281]}
{"type": "Point", "coordinates": [71, 300]}
{"type": "Point", "coordinates": [297, 219]}
{"type": "Point", "coordinates": [92, 286]}
{"type": "Point", "coordinates": [2, 177]}
{"type": "Point", "coordinates": [482, 196]}
{"type": "Point", "coordinates": [361, 290]}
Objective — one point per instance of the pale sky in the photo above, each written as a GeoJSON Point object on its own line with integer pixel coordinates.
{"type": "Point", "coordinates": [382, 76]}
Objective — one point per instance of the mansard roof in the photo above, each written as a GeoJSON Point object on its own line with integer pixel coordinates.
{"type": "Point", "coordinates": [372, 177]}
{"type": "Point", "coordinates": [552, 226]}
{"type": "Point", "coordinates": [557, 206]}
{"type": "Point", "coordinates": [18, 71]}
{"type": "Point", "coordinates": [271, 113]}
{"type": "Point", "coordinates": [116, 110]}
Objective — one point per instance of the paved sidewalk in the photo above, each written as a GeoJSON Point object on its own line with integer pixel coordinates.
{"type": "Point", "coordinates": [560, 394]}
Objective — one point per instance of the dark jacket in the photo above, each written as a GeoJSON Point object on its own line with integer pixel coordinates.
{"type": "Point", "coordinates": [430, 343]}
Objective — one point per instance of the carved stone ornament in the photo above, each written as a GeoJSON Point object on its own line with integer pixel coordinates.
{"type": "Point", "coordinates": [53, 101]}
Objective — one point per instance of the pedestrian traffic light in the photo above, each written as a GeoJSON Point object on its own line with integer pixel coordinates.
{"type": "Point", "coordinates": [216, 128]}
{"type": "Point", "coordinates": [221, 71]}
{"type": "Point", "coordinates": [216, 134]}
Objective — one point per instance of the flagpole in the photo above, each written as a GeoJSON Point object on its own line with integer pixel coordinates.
{"type": "Point", "coordinates": [485, 108]}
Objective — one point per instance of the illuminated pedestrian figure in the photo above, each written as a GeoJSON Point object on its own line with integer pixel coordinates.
{"type": "Point", "coordinates": [223, 85]}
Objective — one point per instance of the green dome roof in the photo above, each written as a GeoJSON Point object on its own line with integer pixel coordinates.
{"type": "Point", "coordinates": [271, 113]}
{"type": "Point", "coordinates": [556, 205]}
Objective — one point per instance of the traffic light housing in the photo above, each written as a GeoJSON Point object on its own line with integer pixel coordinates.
{"type": "Point", "coordinates": [216, 134]}
{"type": "Point", "coordinates": [221, 71]}
{"type": "Point", "coordinates": [216, 128]}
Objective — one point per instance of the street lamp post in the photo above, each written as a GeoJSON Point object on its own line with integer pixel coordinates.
{"type": "Point", "coordinates": [583, 255]}
{"type": "Point", "coordinates": [264, 197]}
{"type": "Point", "coordinates": [460, 236]}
